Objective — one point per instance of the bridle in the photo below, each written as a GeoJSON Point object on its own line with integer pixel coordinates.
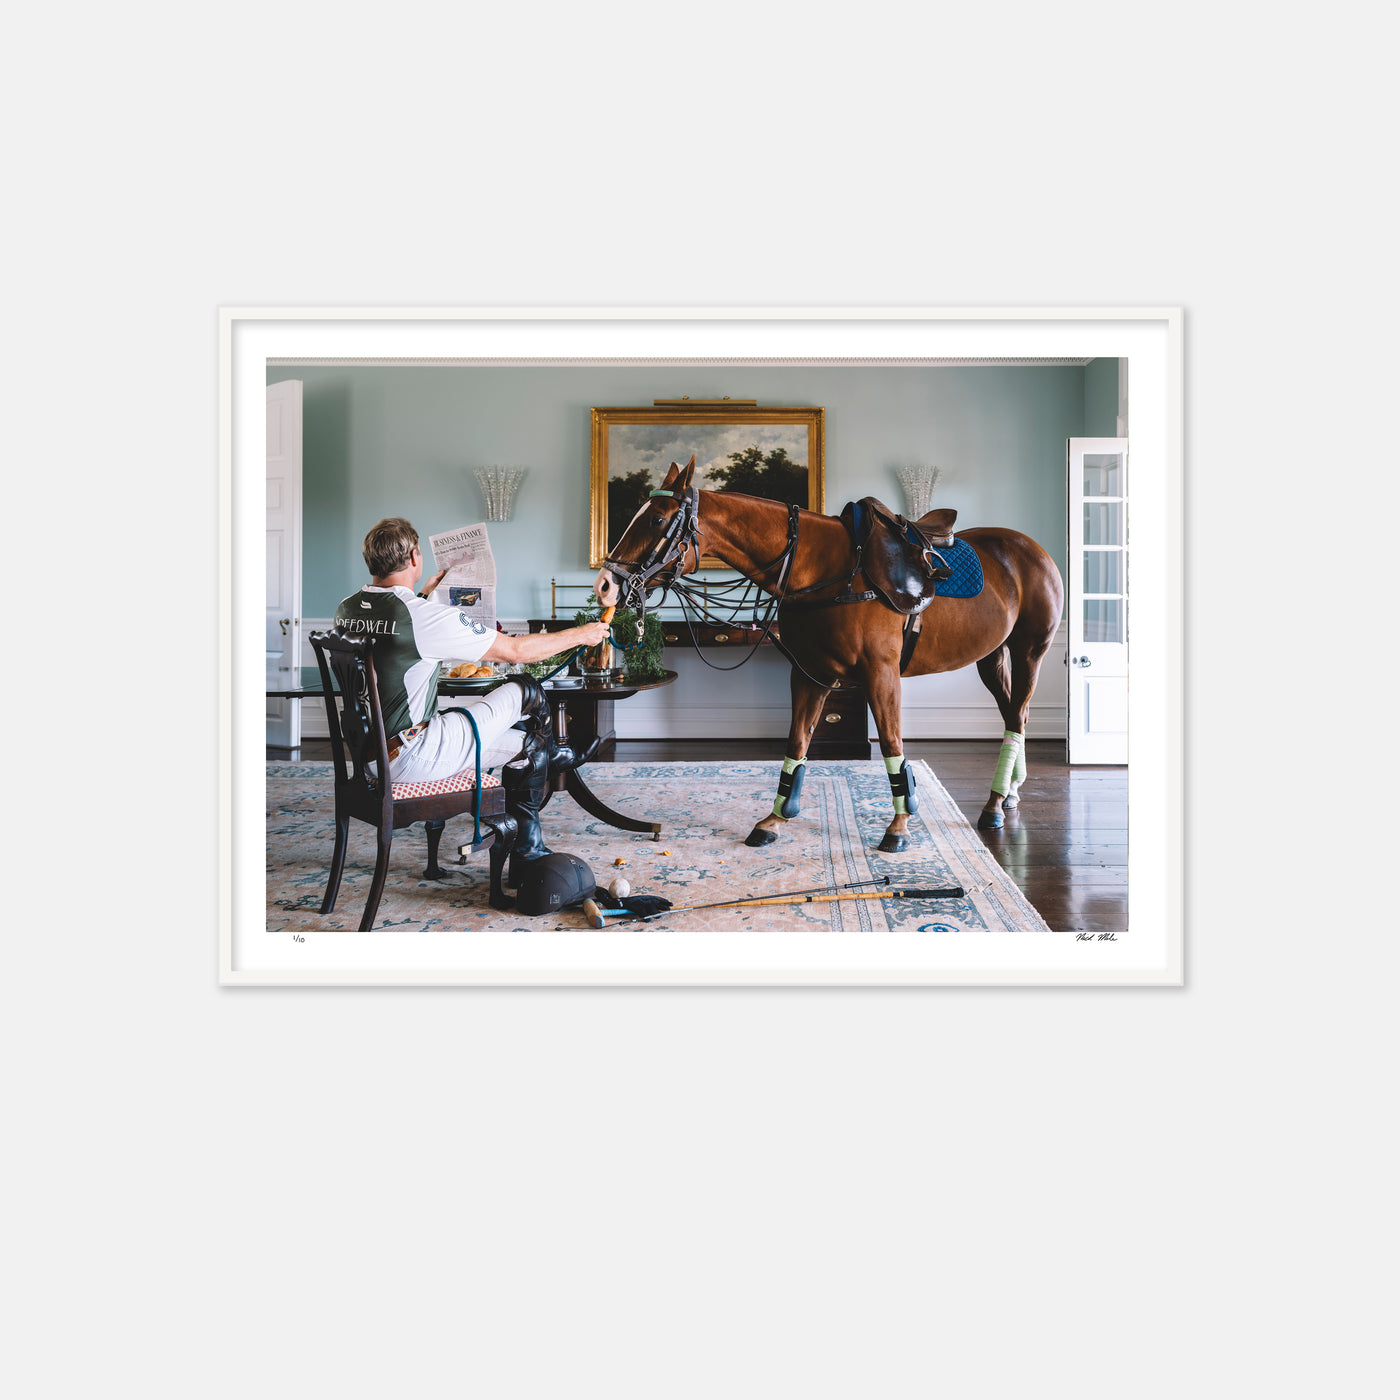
{"type": "Point", "coordinates": [661, 568]}
{"type": "Point", "coordinates": [668, 552]}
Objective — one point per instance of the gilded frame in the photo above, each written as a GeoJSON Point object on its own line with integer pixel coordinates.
{"type": "Point", "coordinates": [701, 416]}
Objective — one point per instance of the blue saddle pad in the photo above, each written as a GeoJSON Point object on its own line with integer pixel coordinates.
{"type": "Point", "coordinates": [966, 581]}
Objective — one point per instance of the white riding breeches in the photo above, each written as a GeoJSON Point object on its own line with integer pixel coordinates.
{"type": "Point", "coordinates": [446, 746]}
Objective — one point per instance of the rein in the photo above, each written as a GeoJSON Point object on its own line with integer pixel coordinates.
{"type": "Point", "coordinates": [682, 535]}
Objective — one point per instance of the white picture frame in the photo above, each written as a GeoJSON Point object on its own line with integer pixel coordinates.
{"type": "Point", "coordinates": [1149, 339]}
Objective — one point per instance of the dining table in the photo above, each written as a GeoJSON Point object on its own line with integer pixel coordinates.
{"type": "Point", "coordinates": [574, 702]}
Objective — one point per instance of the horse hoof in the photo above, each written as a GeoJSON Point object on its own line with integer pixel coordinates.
{"type": "Point", "coordinates": [1011, 804]}
{"type": "Point", "coordinates": [990, 821]}
{"type": "Point", "coordinates": [761, 836]}
{"type": "Point", "coordinates": [893, 843]}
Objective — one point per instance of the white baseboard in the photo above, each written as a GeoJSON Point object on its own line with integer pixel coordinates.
{"type": "Point", "coordinates": [976, 722]}
{"type": "Point", "coordinates": [754, 704]}
{"type": "Point", "coordinates": [712, 721]}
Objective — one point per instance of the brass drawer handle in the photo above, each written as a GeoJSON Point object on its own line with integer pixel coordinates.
{"type": "Point", "coordinates": [670, 638]}
{"type": "Point", "coordinates": [721, 636]}
{"type": "Point", "coordinates": [830, 719]}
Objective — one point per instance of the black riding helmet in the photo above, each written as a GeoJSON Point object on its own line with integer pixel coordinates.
{"type": "Point", "coordinates": [554, 882]}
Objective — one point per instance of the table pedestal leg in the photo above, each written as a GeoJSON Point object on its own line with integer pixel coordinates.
{"type": "Point", "coordinates": [595, 807]}
{"type": "Point", "coordinates": [570, 781]}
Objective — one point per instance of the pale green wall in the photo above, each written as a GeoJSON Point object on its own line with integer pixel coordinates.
{"type": "Point", "coordinates": [1101, 398]}
{"type": "Point", "coordinates": [403, 441]}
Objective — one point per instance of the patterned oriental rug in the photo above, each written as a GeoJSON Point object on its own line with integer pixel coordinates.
{"type": "Point", "coordinates": [706, 811]}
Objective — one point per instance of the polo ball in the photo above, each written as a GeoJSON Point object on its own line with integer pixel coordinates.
{"type": "Point", "coordinates": [619, 888]}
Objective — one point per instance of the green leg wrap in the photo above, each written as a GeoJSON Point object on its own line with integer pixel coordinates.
{"type": "Point", "coordinates": [789, 799]}
{"type": "Point", "coordinates": [1018, 776]}
{"type": "Point", "coordinates": [901, 784]}
{"type": "Point", "coordinates": [1011, 754]}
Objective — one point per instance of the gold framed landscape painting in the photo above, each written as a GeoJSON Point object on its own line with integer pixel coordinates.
{"type": "Point", "coordinates": [773, 452]}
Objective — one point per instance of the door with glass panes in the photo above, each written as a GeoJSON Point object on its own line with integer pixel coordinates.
{"type": "Point", "coordinates": [1098, 600]}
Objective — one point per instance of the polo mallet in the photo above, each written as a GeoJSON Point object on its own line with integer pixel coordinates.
{"type": "Point", "coordinates": [597, 916]}
{"type": "Point", "coordinates": [651, 905]}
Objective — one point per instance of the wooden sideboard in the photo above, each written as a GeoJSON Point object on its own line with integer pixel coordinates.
{"type": "Point", "coordinates": [842, 729]}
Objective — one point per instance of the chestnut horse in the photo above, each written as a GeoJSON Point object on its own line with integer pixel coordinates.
{"type": "Point", "coordinates": [1006, 629]}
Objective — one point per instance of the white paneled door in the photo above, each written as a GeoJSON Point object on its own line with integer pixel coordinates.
{"type": "Point", "coordinates": [283, 623]}
{"type": "Point", "coordinates": [1098, 600]}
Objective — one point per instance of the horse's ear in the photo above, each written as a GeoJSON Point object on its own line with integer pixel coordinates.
{"type": "Point", "coordinates": [670, 479]}
{"type": "Point", "coordinates": [687, 474]}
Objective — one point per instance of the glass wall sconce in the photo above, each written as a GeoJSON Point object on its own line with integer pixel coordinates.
{"type": "Point", "coordinates": [498, 486]}
{"type": "Point", "coordinates": [918, 484]}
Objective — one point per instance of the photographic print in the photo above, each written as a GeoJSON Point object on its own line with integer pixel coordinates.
{"type": "Point", "coordinates": [901, 757]}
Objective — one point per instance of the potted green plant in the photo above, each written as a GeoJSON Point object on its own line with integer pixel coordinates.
{"type": "Point", "coordinates": [640, 660]}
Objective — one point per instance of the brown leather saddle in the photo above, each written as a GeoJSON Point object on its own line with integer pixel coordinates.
{"type": "Point", "coordinates": [899, 557]}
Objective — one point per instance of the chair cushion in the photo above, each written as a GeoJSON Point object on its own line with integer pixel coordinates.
{"type": "Point", "coordinates": [464, 781]}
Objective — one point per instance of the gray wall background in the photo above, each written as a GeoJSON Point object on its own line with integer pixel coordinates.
{"type": "Point", "coordinates": [989, 1194]}
{"type": "Point", "coordinates": [403, 440]}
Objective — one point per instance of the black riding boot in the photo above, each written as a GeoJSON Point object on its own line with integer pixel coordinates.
{"type": "Point", "coordinates": [562, 757]}
{"type": "Point", "coordinates": [526, 784]}
{"type": "Point", "coordinates": [537, 720]}
{"type": "Point", "coordinates": [534, 703]}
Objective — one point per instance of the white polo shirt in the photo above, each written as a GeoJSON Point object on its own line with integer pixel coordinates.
{"type": "Point", "coordinates": [411, 635]}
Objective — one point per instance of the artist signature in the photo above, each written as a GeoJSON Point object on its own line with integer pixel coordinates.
{"type": "Point", "coordinates": [1096, 938]}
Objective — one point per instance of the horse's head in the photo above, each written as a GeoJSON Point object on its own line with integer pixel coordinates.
{"type": "Point", "coordinates": [658, 542]}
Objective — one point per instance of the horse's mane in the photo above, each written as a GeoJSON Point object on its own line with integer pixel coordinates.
{"type": "Point", "coordinates": [768, 501]}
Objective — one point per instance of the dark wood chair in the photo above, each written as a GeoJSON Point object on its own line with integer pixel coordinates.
{"type": "Point", "coordinates": [356, 722]}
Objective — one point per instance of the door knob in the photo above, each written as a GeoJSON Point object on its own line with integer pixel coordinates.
{"type": "Point", "coordinates": [282, 623]}
{"type": "Point", "coordinates": [1082, 661]}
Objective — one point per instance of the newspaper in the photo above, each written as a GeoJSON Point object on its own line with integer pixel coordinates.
{"type": "Point", "coordinates": [470, 580]}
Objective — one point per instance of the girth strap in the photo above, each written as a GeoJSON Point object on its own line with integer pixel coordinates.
{"type": "Point", "coordinates": [913, 625]}
{"type": "Point", "coordinates": [791, 605]}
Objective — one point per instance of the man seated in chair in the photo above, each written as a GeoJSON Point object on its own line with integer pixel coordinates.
{"type": "Point", "coordinates": [411, 636]}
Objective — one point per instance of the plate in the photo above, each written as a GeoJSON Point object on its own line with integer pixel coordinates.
{"type": "Point", "coordinates": [470, 682]}
{"type": "Point", "coordinates": [564, 683]}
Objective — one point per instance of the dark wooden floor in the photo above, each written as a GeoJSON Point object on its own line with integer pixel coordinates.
{"type": "Point", "coordinates": [1066, 846]}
